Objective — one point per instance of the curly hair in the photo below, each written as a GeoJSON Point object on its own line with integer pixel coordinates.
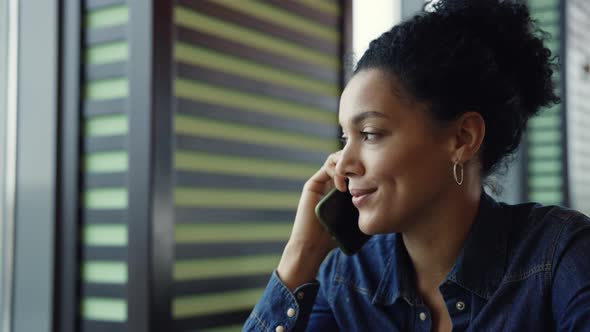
{"type": "Point", "coordinates": [484, 56]}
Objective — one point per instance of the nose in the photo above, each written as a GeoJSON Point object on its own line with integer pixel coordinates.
{"type": "Point", "coordinates": [349, 164]}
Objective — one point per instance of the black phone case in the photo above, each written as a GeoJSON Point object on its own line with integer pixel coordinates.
{"type": "Point", "coordinates": [340, 217]}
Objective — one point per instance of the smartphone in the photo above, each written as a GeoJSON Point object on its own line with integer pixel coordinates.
{"type": "Point", "coordinates": [340, 217]}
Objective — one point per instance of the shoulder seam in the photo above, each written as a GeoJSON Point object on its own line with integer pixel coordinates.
{"type": "Point", "coordinates": [556, 212]}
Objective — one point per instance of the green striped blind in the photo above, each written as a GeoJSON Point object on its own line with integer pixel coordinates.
{"type": "Point", "coordinates": [578, 101]}
{"type": "Point", "coordinates": [256, 88]}
{"type": "Point", "coordinates": [103, 269]}
{"type": "Point", "coordinates": [545, 153]}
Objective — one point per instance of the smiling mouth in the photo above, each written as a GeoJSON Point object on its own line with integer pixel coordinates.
{"type": "Point", "coordinates": [360, 196]}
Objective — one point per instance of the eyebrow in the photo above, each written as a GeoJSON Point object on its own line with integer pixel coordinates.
{"type": "Point", "coordinates": [365, 115]}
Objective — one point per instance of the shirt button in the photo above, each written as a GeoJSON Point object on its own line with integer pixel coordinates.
{"type": "Point", "coordinates": [422, 316]}
{"type": "Point", "coordinates": [280, 328]}
{"type": "Point", "coordinates": [300, 296]}
{"type": "Point", "coordinates": [291, 312]}
{"type": "Point", "coordinates": [460, 305]}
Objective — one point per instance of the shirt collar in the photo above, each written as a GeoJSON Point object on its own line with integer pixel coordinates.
{"type": "Point", "coordinates": [398, 277]}
{"type": "Point", "coordinates": [478, 269]}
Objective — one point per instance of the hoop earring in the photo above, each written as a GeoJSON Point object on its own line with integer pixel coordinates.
{"type": "Point", "coordinates": [455, 173]}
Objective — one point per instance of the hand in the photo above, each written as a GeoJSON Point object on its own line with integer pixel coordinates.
{"type": "Point", "coordinates": [310, 242]}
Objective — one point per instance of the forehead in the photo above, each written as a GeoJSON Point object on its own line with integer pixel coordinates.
{"type": "Point", "coordinates": [372, 91]}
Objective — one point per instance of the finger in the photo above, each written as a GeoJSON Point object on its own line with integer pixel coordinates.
{"type": "Point", "coordinates": [327, 171]}
{"type": "Point", "coordinates": [339, 179]}
{"type": "Point", "coordinates": [325, 174]}
{"type": "Point", "coordinates": [331, 162]}
{"type": "Point", "coordinates": [340, 183]}
{"type": "Point", "coordinates": [321, 175]}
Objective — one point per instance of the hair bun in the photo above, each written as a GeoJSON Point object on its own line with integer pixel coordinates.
{"type": "Point", "coordinates": [515, 44]}
{"type": "Point", "coordinates": [447, 7]}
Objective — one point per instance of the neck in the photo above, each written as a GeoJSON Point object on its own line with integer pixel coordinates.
{"type": "Point", "coordinates": [435, 242]}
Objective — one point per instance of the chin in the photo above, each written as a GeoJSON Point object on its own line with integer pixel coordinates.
{"type": "Point", "coordinates": [369, 226]}
{"type": "Point", "coordinates": [372, 225]}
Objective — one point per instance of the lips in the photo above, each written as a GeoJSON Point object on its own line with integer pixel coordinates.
{"type": "Point", "coordinates": [360, 196]}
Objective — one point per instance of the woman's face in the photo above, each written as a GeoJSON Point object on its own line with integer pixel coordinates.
{"type": "Point", "coordinates": [397, 165]}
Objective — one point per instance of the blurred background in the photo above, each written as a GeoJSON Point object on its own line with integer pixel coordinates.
{"type": "Point", "coordinates": [152, 152]}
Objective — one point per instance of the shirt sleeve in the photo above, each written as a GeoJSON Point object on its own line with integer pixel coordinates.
{"type": "Point", "coordinates": [571, 278]}
{"type": "Point", "coordinates": [322, 316]}
{"type": "Point", "coordinates": [280, 310]}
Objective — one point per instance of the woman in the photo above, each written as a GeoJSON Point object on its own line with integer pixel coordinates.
{"type": "Point", "coordinates": [434, 107]}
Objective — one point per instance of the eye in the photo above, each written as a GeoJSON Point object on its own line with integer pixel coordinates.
{"type": "Point", "coordinates": [370, 136]}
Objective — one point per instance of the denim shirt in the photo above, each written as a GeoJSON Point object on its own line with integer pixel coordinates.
{"type": "Point", "coordinates": [522, 267]}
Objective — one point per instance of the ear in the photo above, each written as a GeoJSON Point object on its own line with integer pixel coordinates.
{"type": "Point", "coordinates": [470, 130]}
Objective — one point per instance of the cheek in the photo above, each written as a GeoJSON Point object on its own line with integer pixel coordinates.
{"type": "Point", "coordinates": [388, 162]}
{"type": "Point", "coordinates": [406, 178]}
{"type": "Point", "coordinates": [417, 163]}
{"type": "Point", "coordinates": [406, 169]}
{"type": "Point", "coordinates": [406, 165]}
